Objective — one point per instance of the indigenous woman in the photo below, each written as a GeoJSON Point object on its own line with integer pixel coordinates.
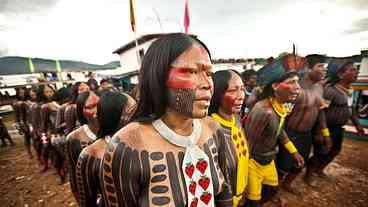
{"type": "Point", "coordinates": [21, 117]}
{"type": "Point", "coordinates": [70, 114]}
{"type": "Point", "coordinates": [169, 154]}
{"type": "Point", "coordinates": [112, 109]}
{"type": "Point", "coordinates": [85, 135]}
{"type": "Point", "coordinates": [225, 106]}
{"type": "Point", "coordinates": [47, 123]}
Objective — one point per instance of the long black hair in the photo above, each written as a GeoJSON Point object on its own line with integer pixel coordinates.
{"type": "Point", "coordinates": [81, 101]}
{"type": "Point", "coordinates": [221, 83]}
{"type": "Point", "coordinates": [154, 71]}
{"type": "Point", "coordinates": [63, 95]}
{"type": "Point", "coordinates": [41, 98]}
{"type": "Point", "coordinates": [109, 111]}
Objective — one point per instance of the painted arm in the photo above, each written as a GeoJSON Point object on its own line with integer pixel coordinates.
{"type": "Point", "coordinates": [87, 182]}
{"type": "Point", "coordinates": [72, 153]}
{"type": "Point", "coordinates": [223, 196]}
{"type": "Point", "coordinates": [121, 175]}
{"type": "Point", "coordinates": [70, 118]}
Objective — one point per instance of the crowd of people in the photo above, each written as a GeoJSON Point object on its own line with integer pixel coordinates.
{"type": "Point", "coordinates": [188, 136]}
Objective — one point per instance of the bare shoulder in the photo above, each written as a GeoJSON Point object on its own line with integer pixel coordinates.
{"type": "Point", "coordinates": [132, 134]}
{"type": "Point", "coordinates": [96, 149]}
{"type": "Point", "coordinates": [74, 134]}
{"type": "Point", "coordinates": [262, 107]}
{"type": "Point", "coordinates": [210, 123]}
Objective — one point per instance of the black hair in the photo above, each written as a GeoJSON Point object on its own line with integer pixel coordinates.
{"type": "Point", "coordinates": [41, 98]}
{"type": "Point", "coordinates": [313, 59]}
{"type": "Point", "coordinates": [104, 80]}
{"type": "Point", "coordinates": [63, 95]}
{"type": "Point", "coordinates": [333, 78]}
{"type": "Point", "coordinates": [25, 95]}
{"type": "Point", "coordinates": [221, 83]}
{"type": "Point", "coordinates": [268, 90]}
{"type": "Point", "coordinates": [154, 71]}
{"type": "Point", "coordinates": [247, 74]}
{"type": "Point", "coordinates": [75, 91]}
{"type": "Point", "coordinates": [109, 111]}
{"type": "Point", "coordinates": [81, 101]}
{"type": "Point", "coordinates": [93, 82]}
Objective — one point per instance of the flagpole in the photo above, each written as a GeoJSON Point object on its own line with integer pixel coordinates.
{"type": "Point", "coordinates": [132, 24]}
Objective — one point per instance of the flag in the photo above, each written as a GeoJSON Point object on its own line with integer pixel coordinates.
{"type": "Point", "coordinates": [31, 66]}
{"type": "Point", "coordinates": [132, 16]}
{"type": "Point", "coordinates": [58, 67]}
{"type": "Point", "coordinates": [186, 17]}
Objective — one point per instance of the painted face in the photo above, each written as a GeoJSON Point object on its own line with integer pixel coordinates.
{"type": "Point", "coordinates": [318, 72]}
{"type": "Point", "coordinates": [233, 97]}
{"type": "Point", "coordinates": [350, 74]}
{"type": "Point", "coordinates": [33, 95]}
{"type": "Point", "coordinates": [83, 88]}
{"type": "Point", "coordinates": [288, 90]}
{"type": "Point", "coordinates": [190, 86]}
{"type": "Point", "coordinates": [48, 92]}
{"type": "Point", "coordinates": [90, 107]}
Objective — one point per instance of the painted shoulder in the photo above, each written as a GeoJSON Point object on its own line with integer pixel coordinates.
{"type": "Point", "coordinates": [263, 107]}
{"type": "Point", "coordinates": [96, 149]}
{"type": "Point", "coordinates": [75, 134]}
{"type": "Point", "coordinates": [132, 134]}
{"type": "Point", "coordinates": [211, 123]}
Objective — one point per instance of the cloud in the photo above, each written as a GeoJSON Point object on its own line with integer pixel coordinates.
{"type": "Point", "coordinates": [360, 25]}
{"type": "Point", "coordinates": [9, 7]}
{"type": "Point", "coordinates": [355, 4]}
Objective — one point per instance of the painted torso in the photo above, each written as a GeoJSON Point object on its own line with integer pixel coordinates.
{"type": "Point", "coordinates": [306, 109]}
{"type": "Point", "coordinates": [338, 112]}
{"type": "Point", "coordinates": [88, 173]}
{"type": "Point", "coordinates": [261, 132]}
{"type": "Point", "coordinates": [141, 168]}
{"type": "Point", "coordinates": [77, 140]}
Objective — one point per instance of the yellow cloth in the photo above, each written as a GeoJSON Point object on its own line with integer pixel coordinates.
{"type": "Point", "coordinates": [290, 147]}
{"type": "Point", "coordinates": [242, 153]}
{"type": "Point", "coordinates": [280, 110]}
{"type": "Point", "coordinates": [325, 132]}
{"type": "Point", "coordinates": [258, 175]}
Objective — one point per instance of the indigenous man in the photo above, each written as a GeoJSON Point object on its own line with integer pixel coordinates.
{"type": "Point", "coordinates": [170, 155]}
{"type": "Point", "coordinates": [307, 112]}
{"type": "Point", "coordinates": [264, 131]}
{"type": "Point", "coordinates": [337, 92]}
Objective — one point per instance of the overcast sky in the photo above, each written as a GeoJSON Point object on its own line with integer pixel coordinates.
{"type": "Point", "coordinates": [89, 30]}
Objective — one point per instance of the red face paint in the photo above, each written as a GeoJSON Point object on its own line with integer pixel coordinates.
{"type": "Point", "coordinates": [229, 101]}
{"type": "Point", "coordinates": [90, 108]}
{"type": "Point", "coordinates": [284, 86]}
{"type": "Point", "coordinates": [179, 79]}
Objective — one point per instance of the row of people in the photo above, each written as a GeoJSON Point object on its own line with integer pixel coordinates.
{"type": "Point", "coordinates": [184, 144]}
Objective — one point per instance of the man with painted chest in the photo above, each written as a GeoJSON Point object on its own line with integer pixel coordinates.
{"type": "Point", "coordinates": [264, 131]}
{"type": "Point", "coordinates": [169, 155]}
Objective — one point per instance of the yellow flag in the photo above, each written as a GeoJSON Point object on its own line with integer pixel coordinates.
{"type": "Point", "coordinates": [58, 67]}
{"type": "Point", "coordinates": [132, 15]}
{"type": "Point", "coordinates": [31, 66]}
